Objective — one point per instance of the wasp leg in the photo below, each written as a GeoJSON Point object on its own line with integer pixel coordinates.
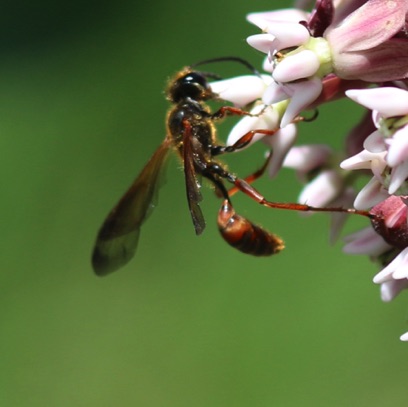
{"type": "Point", "coordinates": [229, 111]}
{"type": "Point", "coordinates": [254, 194]}
{"type": "Point", "coordinates": [241, 142]}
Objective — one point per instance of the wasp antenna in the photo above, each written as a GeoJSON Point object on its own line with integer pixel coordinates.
{"type": "Point", "coordinates": [210, 75]}
{"type": "Point", "coordinates": [231, 59]}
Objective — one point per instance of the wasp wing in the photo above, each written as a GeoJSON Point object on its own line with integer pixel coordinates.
{"type": "Point", "coordinates": [117, 239]}
{"type": "Point", "coordinates": [192, 184]}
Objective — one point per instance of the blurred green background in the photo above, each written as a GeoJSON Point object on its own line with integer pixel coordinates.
{"type": "Point", "coordinates": [189, 322]}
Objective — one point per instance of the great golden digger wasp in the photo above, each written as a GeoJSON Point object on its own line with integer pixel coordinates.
{"type": "Point", "coordinates": [191, 132]}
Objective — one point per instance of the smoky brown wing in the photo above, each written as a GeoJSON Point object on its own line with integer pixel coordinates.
{"type": "Point", "coordinates": [192, 184]}
{"type": "Point", "coordinates": [118, 237]}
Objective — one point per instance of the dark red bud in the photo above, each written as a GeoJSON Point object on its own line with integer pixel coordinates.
{"type": "Point", "coordinates": [390, 221]}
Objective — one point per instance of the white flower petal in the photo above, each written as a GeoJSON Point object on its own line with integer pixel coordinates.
{"type": "Point", "coordinates": [281, 143]}
{"type": "Point", "coordinates": [322, 189]}
{"type": "Point", "coordinates": [360, 161]}
{"type": "Point", "coordinates": [390, 289]}
{"type": "Point", "coordinates": [372, 194]}
{"type": "Point", "coordinates": [288, 34]}
{"type": "Point", "coordinates": [262, 42]}
{"type": "Point", "coordinates": [377, 118]}
{"type": "Point", "coordinates": [387, 273]}
{"type": "Point", "coordinates": [305, 92]}
{"type": "Point", "coordinates": [275, 93]}
{"type": "Point", "coordinates": [398, 176]}
{"type": "Point", "coordinates": [365, 160]}
{"type": "Point", "coordinates": [398, 147]}
{"type": "Point", "coordinates": [306, 158]}
{"type": "Point", "coordinates": [378, 165]}
{"type": "Point", "coordinates": [388, 101]}
{"type": "Point", "coordinates": [404, 337]}
{"type": "Point", "coordinates": [298, 66]}
{"type": "Point", "coordinates": [241, 90]}
{"type": "Point", "coordinates": [268, 65]}
{"type": "Point", "coordinates": [264, 19]}
{"type": "Point", "coordinates": [374, 143]}
{"type": "Point", "coordinates": [401, 272]}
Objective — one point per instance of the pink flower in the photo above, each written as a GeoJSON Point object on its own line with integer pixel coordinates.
{"type": "Point", "coordinates": [386, 149]}
{"type": "Point", "coordinates": [353, 48]}
{"type": "Point", "coordinates": [353, 40]}
{"type": "Point", "coordinates": [365, 44]}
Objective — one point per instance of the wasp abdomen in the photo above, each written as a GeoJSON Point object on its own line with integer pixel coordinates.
{"type": "Point", "coordinates": [244, 235]}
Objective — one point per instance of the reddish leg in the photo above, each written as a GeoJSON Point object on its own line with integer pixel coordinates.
{"type": "Point", "coordinates": [229, 111]}
{"type": "Point", "coordinates": [254, 194]}
{"type": "Point", "coordinates": [247, 189]}
{"type": "Point", "coordinates": [241, 142]}
{"type": "Point", "coordinates": [254, 176]}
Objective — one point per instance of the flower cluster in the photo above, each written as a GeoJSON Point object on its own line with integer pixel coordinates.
{"type": "Point", "coordinates": [342, 48]}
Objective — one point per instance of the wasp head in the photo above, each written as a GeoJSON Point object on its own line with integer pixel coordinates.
{"type": "Point", "coordinates": [190, 85]}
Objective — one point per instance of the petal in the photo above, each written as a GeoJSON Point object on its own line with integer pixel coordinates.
{"type": "Point", "coordinates": [305, 92]}
{"type": "Point", "coordinates": [288, 34]}
{"type": "Point", "coordinates": [304, 64]}
{"type": "Point", "coordinates": [400, 268]}
{"type": "Point", "coordinates": [268, 65]}
{"type": "Point", "coordinates": [264, 19]}
{"type": "Point", "coordinates": [241, 90]}
{"type": "Point", "coordinates": [398, 150]}
{"type": "Point", "coordinates": [370, 25]}
{"type": "Point", "coordinates": [344, 8]}
{"type": "Point", "coordinates": [404, 337]}
{"type": "Point", "coordinates": [398, 176]}
{"type": "Point", "coordinates": [262, 42]}
{"type": "Point", "coordinates": [275, 93]}
{"type": "Point", "coordinates": [322, 189]}
{"type": "Point", "coordinates": [281, 143]}
{"type": "Point", "coordinates": [378, 165]}
{"type": "Point", "coordinates": [308, 157]}
{"type": "Point", "coordinates": [386, 273]}
{"type": "Point", "coordinates": [374, 143]}
{"type": "Point", "coordinates": [366, 241]}
{"type": "Point", "coordinates": [384, 63]}
{"type": "Point", "coordinates": [402, 271]}
{"type": "Point", "coordinates": [361, 161]}
{"type": "Point", "coordinates": [388, 101]}
{"type": "Point", "coordinates": [372, 194]}
{"type": "Point", "coordinates": [390, 289]}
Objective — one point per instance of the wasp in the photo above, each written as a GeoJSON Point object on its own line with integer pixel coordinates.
{"type": "Point", "coordinates": [191, 133]}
